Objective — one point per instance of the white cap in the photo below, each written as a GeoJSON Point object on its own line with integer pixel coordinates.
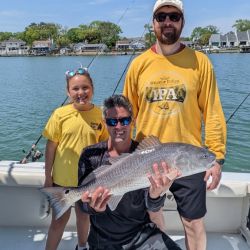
{"type": "Point", "coordinates": [176, 3]}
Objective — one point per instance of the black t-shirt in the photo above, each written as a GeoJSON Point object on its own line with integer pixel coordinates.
{"type": "Point", "coordinates": [116, 227]}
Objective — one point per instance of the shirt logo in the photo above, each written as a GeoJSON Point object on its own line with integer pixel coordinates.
{"type": "Point", "coordinates": [96, 126]}
{"type": "Point", "coordinates": [165, 93]}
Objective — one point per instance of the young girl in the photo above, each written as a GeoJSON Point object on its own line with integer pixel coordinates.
{"type": "Point", "coordinates": [69, 129]}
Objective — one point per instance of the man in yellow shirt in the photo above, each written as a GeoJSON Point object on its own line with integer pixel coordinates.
{"type": "Point", "coordinates": [174, 93]}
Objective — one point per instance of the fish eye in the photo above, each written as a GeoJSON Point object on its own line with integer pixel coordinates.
{"type": "Point", "coordinates": [205, 156]}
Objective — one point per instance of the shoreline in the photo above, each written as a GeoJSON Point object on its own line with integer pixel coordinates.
{"type": "Point", "coordinates": [120, 53]}
{"type": "Point", "coordinates": [113, 53]}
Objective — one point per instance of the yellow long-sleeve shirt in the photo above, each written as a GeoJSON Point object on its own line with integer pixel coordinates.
{"type": "Point", "coordinates": [172, 95]}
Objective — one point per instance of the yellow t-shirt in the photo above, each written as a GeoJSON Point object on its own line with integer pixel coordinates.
{"type": "Point", "coordinates": [171, 95]}
{"type": "Point", "coordinates": [73, 130]}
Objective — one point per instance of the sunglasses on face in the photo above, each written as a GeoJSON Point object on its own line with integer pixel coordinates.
{"type": "Point", "coordinates": [80, 71]}
{"type": "Point", "coordinates": [112, 122]}
{"type": "Point", "coordinates": [173, 16]}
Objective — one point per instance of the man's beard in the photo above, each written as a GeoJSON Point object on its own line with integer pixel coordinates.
{"type": "Point", "coordinates": [168, 37]}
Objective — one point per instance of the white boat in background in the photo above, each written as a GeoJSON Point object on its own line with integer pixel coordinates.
{"type": "Point", "coordinates": [25, 213]}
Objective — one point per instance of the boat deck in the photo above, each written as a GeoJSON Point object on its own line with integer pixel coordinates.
{"type": "Point", "coordinates": [34, 238]}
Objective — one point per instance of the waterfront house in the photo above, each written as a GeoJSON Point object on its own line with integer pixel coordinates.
{"type": "Point", "coordinates": [218, 40]}
{"type": "Point", "coordinates": [122, 45]}
{"type": "Point", "coordinates": [94, 47]}
{"type": "Point", "coordinates": [77, 47]}
{"type": "Point", "coordinates": [42, 47]}
{"type": "Point", "coordinates": [87, 47]}
{"type": "Point", "coordinates": [243, 38]}
{"type": "Point", "coordinates": [130, 44]}
{"type": "Point", "coordinates": [231, 39]}
{"type": "Point", "coordinates": [13, 47]}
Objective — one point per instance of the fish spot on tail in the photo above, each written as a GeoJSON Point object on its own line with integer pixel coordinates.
{"type": "Point", "coordinates": [58, 199]}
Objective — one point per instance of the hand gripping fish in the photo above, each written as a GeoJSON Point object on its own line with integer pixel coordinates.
{"type": "Point", "coordinates": [128, 172]}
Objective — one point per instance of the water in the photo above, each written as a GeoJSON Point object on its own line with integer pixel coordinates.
{"type": "Point", "coordinates": [32, 87]}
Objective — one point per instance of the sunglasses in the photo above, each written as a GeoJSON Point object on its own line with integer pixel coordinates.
{"type": "Point", "coordinates": [173, 16]}
{"type": "Point", "coordinates": [80, 71]}
{"type": "Point", "coordinates": [112, 122]}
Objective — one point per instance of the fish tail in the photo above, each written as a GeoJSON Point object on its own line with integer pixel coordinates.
{"type": "Point", "coordinates": [58, 199]}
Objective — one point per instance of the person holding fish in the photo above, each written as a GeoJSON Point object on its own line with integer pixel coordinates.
{"type": "Point", "coordinates": [174, 95]}
{"type": "Point", "coordinates": [69, 129]}
{"type": "Point", "coordinates": [125, 222]}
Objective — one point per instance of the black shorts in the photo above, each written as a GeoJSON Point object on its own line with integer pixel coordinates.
{"type": "Point", "coordinates": [190, 195]}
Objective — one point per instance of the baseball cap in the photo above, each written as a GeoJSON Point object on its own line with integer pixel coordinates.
{"type": "Point", "coordinates": [176, 3]}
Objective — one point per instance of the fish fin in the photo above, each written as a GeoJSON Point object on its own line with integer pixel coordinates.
{"type": "Point", "coordinates": [58, 199]}
{"type": "Point", "coordinates": [148, 142]}
{"type": "Point", "coordinates": [114, 201]}
{"type": "Point", "coordinates": [113, 160]}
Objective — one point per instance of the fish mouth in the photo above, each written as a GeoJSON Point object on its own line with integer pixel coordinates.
{"type": "Point", "coordinates": [212, 164]}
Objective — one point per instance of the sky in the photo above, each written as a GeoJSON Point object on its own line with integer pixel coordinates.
{"type": "Point", "coordinates": [130, 15]}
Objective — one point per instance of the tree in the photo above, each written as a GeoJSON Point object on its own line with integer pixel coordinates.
{"type": "Point", "coordinates": [76, 35]}
{"type": "Point", "coordinates": [212, 29]}
{"type": "Point", "coordinates": [242, 25]}
{"type": "Point", "coordinates": [41, 31]}
{"type": "Point", "coordinates": [202, 35]}
{"type": "Point", "coordinates": [109, 32]}
{"type": "Point", "coordinates": [149, 36]}
{"type": "Point", "coordinates": [62, 41]}
{"type": "Point", "coordinates": [5, 36]}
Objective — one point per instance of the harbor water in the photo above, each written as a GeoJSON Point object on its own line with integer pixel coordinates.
{"type": "Point", "coordinates": [32, 87]}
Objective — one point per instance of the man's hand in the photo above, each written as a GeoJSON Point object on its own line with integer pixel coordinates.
{"type": "Point", "coordinates": [98, 199]}
{"type": "Point", "coordinates": [215, 173]}
{"type": "Point", "coordinates": [161, 180]}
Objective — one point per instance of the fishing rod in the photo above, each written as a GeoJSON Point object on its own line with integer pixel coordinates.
{"type": "Point", "coordinates": [34, 153]}
{"type": "Point", "coordinates": [232, 115]}
{"type": "Point", "coordinates": [129, 61]}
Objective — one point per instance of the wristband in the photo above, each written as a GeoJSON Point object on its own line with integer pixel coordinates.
{"type": "Point", "coordinates": [220, 161]}
{"type": "Point", "coordinates": [154, 205]}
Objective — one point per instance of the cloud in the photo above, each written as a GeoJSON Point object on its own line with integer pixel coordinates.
{"type": "Point", "coordinates": [11, 13]}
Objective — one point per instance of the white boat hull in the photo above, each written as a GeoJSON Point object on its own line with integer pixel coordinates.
{"type": "Point", "coordinates": [25, 215]}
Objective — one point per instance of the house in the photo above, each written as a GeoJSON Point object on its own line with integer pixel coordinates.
{"type": "Point", "coordinates": [88, 47]}
{"type": "Point", "coordinates": [13, 47]}
{"type": "Point", "coordinates": [130, 44]}
{"type": "Point", "coordinates": [94, 47]}
{"type": "Point", "coordinates": [42, 47]}
{"type": "Point", "coordinates": [137, 44]}
{"type": "Point", "coordinates": [218, 40]}
{"type": "Point", "coordinates": [231, 39]}
{"type": "Point", "coordinates": [243, 38]}
{"type": "Point", "coordinates": [122, 44]}
{"type": "Point", "coordinates": [77, 47]}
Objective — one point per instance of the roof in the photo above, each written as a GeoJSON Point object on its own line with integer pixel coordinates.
{"type": "Point", "coordinates": [231, 37]}
{"type": "Point", "coordinates": [242, 36]}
